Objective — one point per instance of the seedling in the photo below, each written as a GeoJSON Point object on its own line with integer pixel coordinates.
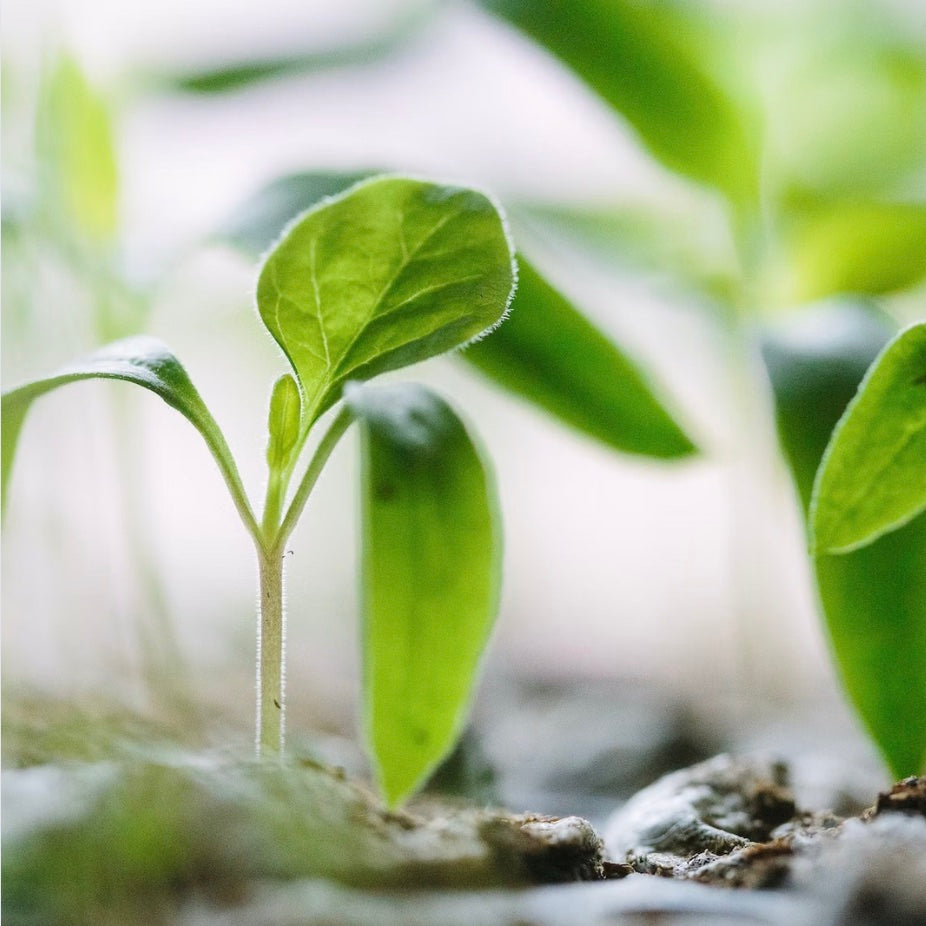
{"type": "Point", "coordinates": [391, 272]}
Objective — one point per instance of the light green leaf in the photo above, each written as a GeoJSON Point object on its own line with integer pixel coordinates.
{"type": "Point", "coordinates": [431, 570]}
{"type": "Point", "coordinates": [873, 475]}
{"type": "Point", "coordinates": [257, 222]}
{"type": "Point", "coordinates": [77, 154]}
{"type": "Point", "coordinates": [850, 246]}
{"type": "Point", "coordinates": [387, 274]}
{"type": "Point", "coordinates": [147, 362]}
{"type": "Point", "coordinates": [549, 353]}
{"type": "Point", "coordinates": [639, 59]}
{"type": "Point", "coordinates": [283, 423]}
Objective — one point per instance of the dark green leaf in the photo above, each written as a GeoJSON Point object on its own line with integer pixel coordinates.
{"type": "Point", "coordinates": [147, 362]}
{"type": "Point", "coordinates": [431, 570]}
{"type": "Point", "coordinates": [389, 273]}
{"type": "Point", "coordinates": [873, 475]}
{"type": "Point", "coordinates": [257, 223]}
{"type": "Point", "coordinates": [552, 355]}
{"type": "Point", "coordinates": [637, 58]}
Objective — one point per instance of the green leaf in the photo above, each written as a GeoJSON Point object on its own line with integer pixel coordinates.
{"type": "Point", "coordinates": [142, 360]}
{"type": "Point", "coordinates": [873, 475]}
{"type": "Point", "coordinates": [389, 273]}
{"type": "Point", "coordinates": [283, 422]}
{"type": "Point", "coordinates": [875, 604]}
{"type": "Point", "coordinates": [873, 599]}
{"type": "Point", "coordinates": [77, 154]}
{"type": "Point", "coordinates": [431, 571]}
{"type": "Point", "coordinates": [643, 62]}
{"type": "Point", "coordinates": [842, 246]}
{"type": "Point", "coordinates": [815, 361]}
{"type": "Point", "coordinates": [382, 40]}
{"type": "Point", "coordinates": [257, 222]}
{"type": "Point", "coordinates": [551, 354]}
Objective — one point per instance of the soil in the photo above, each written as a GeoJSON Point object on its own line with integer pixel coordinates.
{"type": "Point", "coordinates": [118, 822]}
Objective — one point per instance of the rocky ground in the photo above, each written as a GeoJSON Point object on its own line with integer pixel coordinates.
{"type": "Point", "coordinates": [127, 826]}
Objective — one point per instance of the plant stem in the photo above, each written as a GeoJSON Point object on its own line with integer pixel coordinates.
{"type": "Point", "coordinates": [334, 433]}
{"type": "Point", "coordinates": [271, 624]}
{"type": "Point", "coordinates": [271, 651]}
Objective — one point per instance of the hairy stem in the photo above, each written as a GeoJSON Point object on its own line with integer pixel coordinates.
{"type": "Point", "coordinates": [271, 651]}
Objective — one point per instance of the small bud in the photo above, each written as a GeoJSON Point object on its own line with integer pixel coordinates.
{"type": "Point", "coordinates": [283, 422]}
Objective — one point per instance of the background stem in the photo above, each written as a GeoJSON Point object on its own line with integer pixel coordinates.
{"type": "Point", "coordinates": [271, 642]}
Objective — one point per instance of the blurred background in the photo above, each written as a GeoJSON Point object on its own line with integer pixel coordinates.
{"type": "Point", "coordinates": [123, 556]}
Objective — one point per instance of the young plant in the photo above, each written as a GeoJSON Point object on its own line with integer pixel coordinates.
{"type": "Point", "coordinates": [389, 273]}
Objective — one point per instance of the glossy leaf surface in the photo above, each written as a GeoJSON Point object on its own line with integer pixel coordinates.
{"type": "Point", "coordinates": [391, 272]}
{"type": "Point", "coordinates": [431, 570]}
{"type": "Point", "coordinates": [636, 57]}
{"type": "Point", "coordinates": [142, 360]}
{"type": "Point", "coordinates": [549, 353]}
{"type": "Point", "coordinates": [873, 475]}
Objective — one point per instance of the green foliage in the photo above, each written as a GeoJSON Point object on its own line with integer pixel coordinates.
{"type": "Point", "coordinates": [815, 360]}
{"type": "Point", "coordinates": [873, 598]}
{"type": "Point", "coordinates": [874, 601]}
{"type": "Point", "coordinates": [76, 149]}
{"type": "Point", "coordinates": [381, 40]}
{"type": "Point", "coordinates": [636, 57]}
{"type": "Point", "coordinates": [255, 224]}
{"type": "Point", "coordinates": [283, 423]}
{"type": "Point", "coordinates": [392, 273]}
{"type": "Point", "coordinates": [873, 475]}
{"type": "Point", "coordinates": [142, 360]}
{"type": "Point", "coordinates": [431, 570]}
{"type": "Point", "coordinates": [579, 376]}
{"type": "Point", "coordinates": [852, 246]}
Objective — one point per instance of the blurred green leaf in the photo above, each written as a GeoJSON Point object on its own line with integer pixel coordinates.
{"type": "Point", "coordinates": [549, 353]}
{"type": "Point", "coordinates": [142, 360]}
{"type": "Point", "coordinates": [641, 60]}
{"type": "Point", "coordinates": [691, 242]}
{"type": "Point", "coordinates": [815, 360]}
{"type": "Point", "coordinates": [380, 42]}
{"type": "Point", "coordinates": [845, 102]}
{"type": "Point", "coordinates": [431, 573]}
{"type": "Point", "coordinates": [836, 246]}
{"type": "Point", "coordinates": [873, 599]}
{"type": "Point", "coordinates": [389, 273]}
{"type": "Point", "coordinates": [873, 475]}
{"type": "Point", "coordinates": [258, 221]}
{"type": "Point", "coordinates": [77, 155]}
